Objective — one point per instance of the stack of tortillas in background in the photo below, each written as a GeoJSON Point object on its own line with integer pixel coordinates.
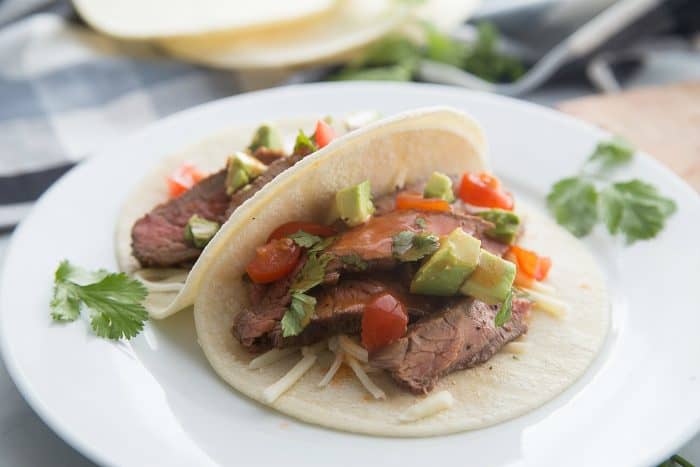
{"type": "Point", "coordinates": [265, 34]}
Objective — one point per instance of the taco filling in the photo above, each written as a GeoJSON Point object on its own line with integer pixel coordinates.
{"type": "Point", "coordinates": [174, 233]}
{"type": "Point", "coordinates": [418, 283]}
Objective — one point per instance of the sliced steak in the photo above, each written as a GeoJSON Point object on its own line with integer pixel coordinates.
{"type": "Point", "coordinates": [373, 241]}
{"type": "Point", "coordinates": [267, 156]}
{"type": "Point", "coordinates": [339, 308]}
{"type": "Point", "coordinates": [273, 170]}
{"type": "Point", "coordinates": [268, 303]}
{"type": "Point", "coordinates": [462, 336]}
{"type": "Point", "coordinates": [157, 239]}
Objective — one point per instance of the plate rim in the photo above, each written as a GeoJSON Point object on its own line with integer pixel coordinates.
{"type": "Point", "coordinates": [11, 361]}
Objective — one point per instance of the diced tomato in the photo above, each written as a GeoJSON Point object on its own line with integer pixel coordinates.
{"type": "Point", "coordinates": [383, 321]}
{"type": "Point", "coordinates": [308, 227]}
{"type": "Point", "coordinates": [324, 133]}
{"type": "Point", "coordinates": [184, 178]}
{"type": "Point", "coordinates": [407, 200]}
{"type": "Point", "coordinates": [273, 261]}
{"type": "Point", "coordinates": [530, 263]}
{"type": "Point", "coordinates": [484, 190]}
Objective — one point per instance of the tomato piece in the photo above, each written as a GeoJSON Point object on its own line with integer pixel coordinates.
{"type": "Point", "coordinates": [406, 200]}
{"type": "Point", "coordinates": [185, 177]}
{"type": "Point", "coordinates": [324, 133]}
{"type": "Point", "coordinates": [530, 263]}
{"type": "Point", "coordinates": [289, 228]}
{"type": "Point", "coordinates": [384, 320]}
{"type": "Point", "coordinates": [273, 261]}
{"type": "Point", "coordinates": [485, 191]}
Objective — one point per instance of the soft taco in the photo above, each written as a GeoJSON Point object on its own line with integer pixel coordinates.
{"type": "Point", "coordinates": [391, 285]}
{"type": "Point", "coordinates": [166, 228]}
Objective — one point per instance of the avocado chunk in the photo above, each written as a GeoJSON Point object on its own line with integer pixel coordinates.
{"type": "Point", "coordinates": [354, 204]}
{"type": "Point", "coordinates": [240, 170]}
{"type": "Point", "coordinates": [265, 136]}
{"type": "Point", "coordinates": [506, 224]}
{"type": "Point", "coordinates": [446, 270]}
{"type": "Point", "coordinates": [439, 186]}
{"type": "Point", "coordinates": [491, 281]}
{"type": "Point", "coordinates": [199, 231]}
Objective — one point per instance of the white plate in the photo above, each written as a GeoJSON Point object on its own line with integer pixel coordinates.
{"type": "Point", "coordinates": [155, 401]}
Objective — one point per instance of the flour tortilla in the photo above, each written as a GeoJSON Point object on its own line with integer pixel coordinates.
{"type": "Point", "coordinates": [209, 155]}
{"type": "Point", "coordinates": [351, 24]}
{"type": "Point", "coordinates": [147, 19]}
{"type": "Point", "coordinates": [389, 154]}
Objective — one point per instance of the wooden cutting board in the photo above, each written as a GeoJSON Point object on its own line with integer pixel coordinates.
{"type": "Point", "coordinates": [663, 121]}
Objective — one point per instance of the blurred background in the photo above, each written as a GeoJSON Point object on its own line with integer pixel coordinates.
{"type": "Point", "coordinates": [75, 75]}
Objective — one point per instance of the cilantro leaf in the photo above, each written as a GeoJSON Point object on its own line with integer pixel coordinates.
{"type": "Point", "coordinates": [354, 261]}
{"type": "Point", "coordinates": [115, 301]}
{"type": "Point", "coordinates": [312, 273]}
{"type": "Point", "coordinates": [305, 239]}
{"type": "Point", "coordinates": [506, 310]}
{"type": "Point", "coordinates": [298, 314]}
{"type": "Point", "coordinates": [573, 202]}
{"type": "Point", "coordinates": [636, 209]}
{"type": "Point", "coordinates": [322, 245]}
{"type": "Point", "coordinates": [609, 154]}
{"type": "Point", "coordinates": [411, 246]}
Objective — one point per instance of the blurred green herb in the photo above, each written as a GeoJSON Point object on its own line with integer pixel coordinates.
{"type": "Point", "coordinates": [674, 461]}
{"type": "Point", "coordinates": [396, 58]}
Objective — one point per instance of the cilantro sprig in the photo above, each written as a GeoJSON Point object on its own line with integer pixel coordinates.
{"type": "Point", "coordinates": [410, 246]}
{"type": "Point", "coordinates": [633, 208]}
{"type": "Point", "coordinates": [115, 301]}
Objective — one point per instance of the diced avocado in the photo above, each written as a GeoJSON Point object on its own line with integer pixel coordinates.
{"type": "Point", "coordinates": [199, 231]}
{"type": "Point", "coordinates": [354, 204]}
{"type": "Point", "coordinates": [240, 170]}
{"type": "Point", "coordinates": [265, 136]}
{"type": "Point", "coordinates": [506, 224]}
{"type": "Point", "coordinates": [492, 280]}
{"type": "Point", "coordinates": [304, 145]}
{"type": "Point", "coordinates": [445, 271]}
{"type": "Point", "coordinates": [439, 186]}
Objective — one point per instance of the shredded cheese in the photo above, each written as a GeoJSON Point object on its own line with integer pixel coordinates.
{"type": "Point", "coordinates": [428, 407]}
{"type": "Point", "coordinates": [554, 307]}
{"type": "Point", "coordinates": [372, 388]}
{"type": "Point", "coordinates": [353, 349]}
{"type": "Point", "coordinates": [328, 377]}
{"type": "Point", "coordinates": [272, 392]}
{"type": "Point", "coordinates": [541, 287]}
{"type": "Point", "coordinates": [333, 344]}
{"type": "Point", "coordinates": [516, 347]}
{"type": "Point", "coordinates": [270, 357]}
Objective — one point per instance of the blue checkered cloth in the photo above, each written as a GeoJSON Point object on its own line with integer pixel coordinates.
{"type": "Point", "coordinates": [65, 91]}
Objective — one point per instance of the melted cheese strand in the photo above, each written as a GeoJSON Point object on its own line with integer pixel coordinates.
{"type": "Point", "coordinates": [541, 287]}
{"type": "Point", "coordinates": [428, 407]}
{"type": "Point", "coordinates": [272, 392]}
{"type": "Point", "coordinates": [313, 349]}
{"type": "Point", "coordinates": [364, 379]}
{"type": "Point", "coordinates": [328, 377]}
{"type": "Point", "coordinates": [554, 307]}
{"type": "Point", "coordinates": [270, 357]}
{"type": "Point", "coordinates": [352, 348]}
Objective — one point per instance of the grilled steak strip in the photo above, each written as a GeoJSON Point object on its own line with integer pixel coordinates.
{"type": "Point", "coordinates": [157, 239]}
{"type": "Point", "coordinates": [339, 308]}
{"type": "Point", "coordinates": [462, 336]}
{"type": "Point", "coordinates": [373, 240]}
{"type": "Point", "coordinates": [273, 170]}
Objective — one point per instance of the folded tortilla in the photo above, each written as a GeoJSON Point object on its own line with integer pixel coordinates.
{"type": "Point", "coordinates": [391, 153]}
{"type": "Point", "coordinates": [172, 289]}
